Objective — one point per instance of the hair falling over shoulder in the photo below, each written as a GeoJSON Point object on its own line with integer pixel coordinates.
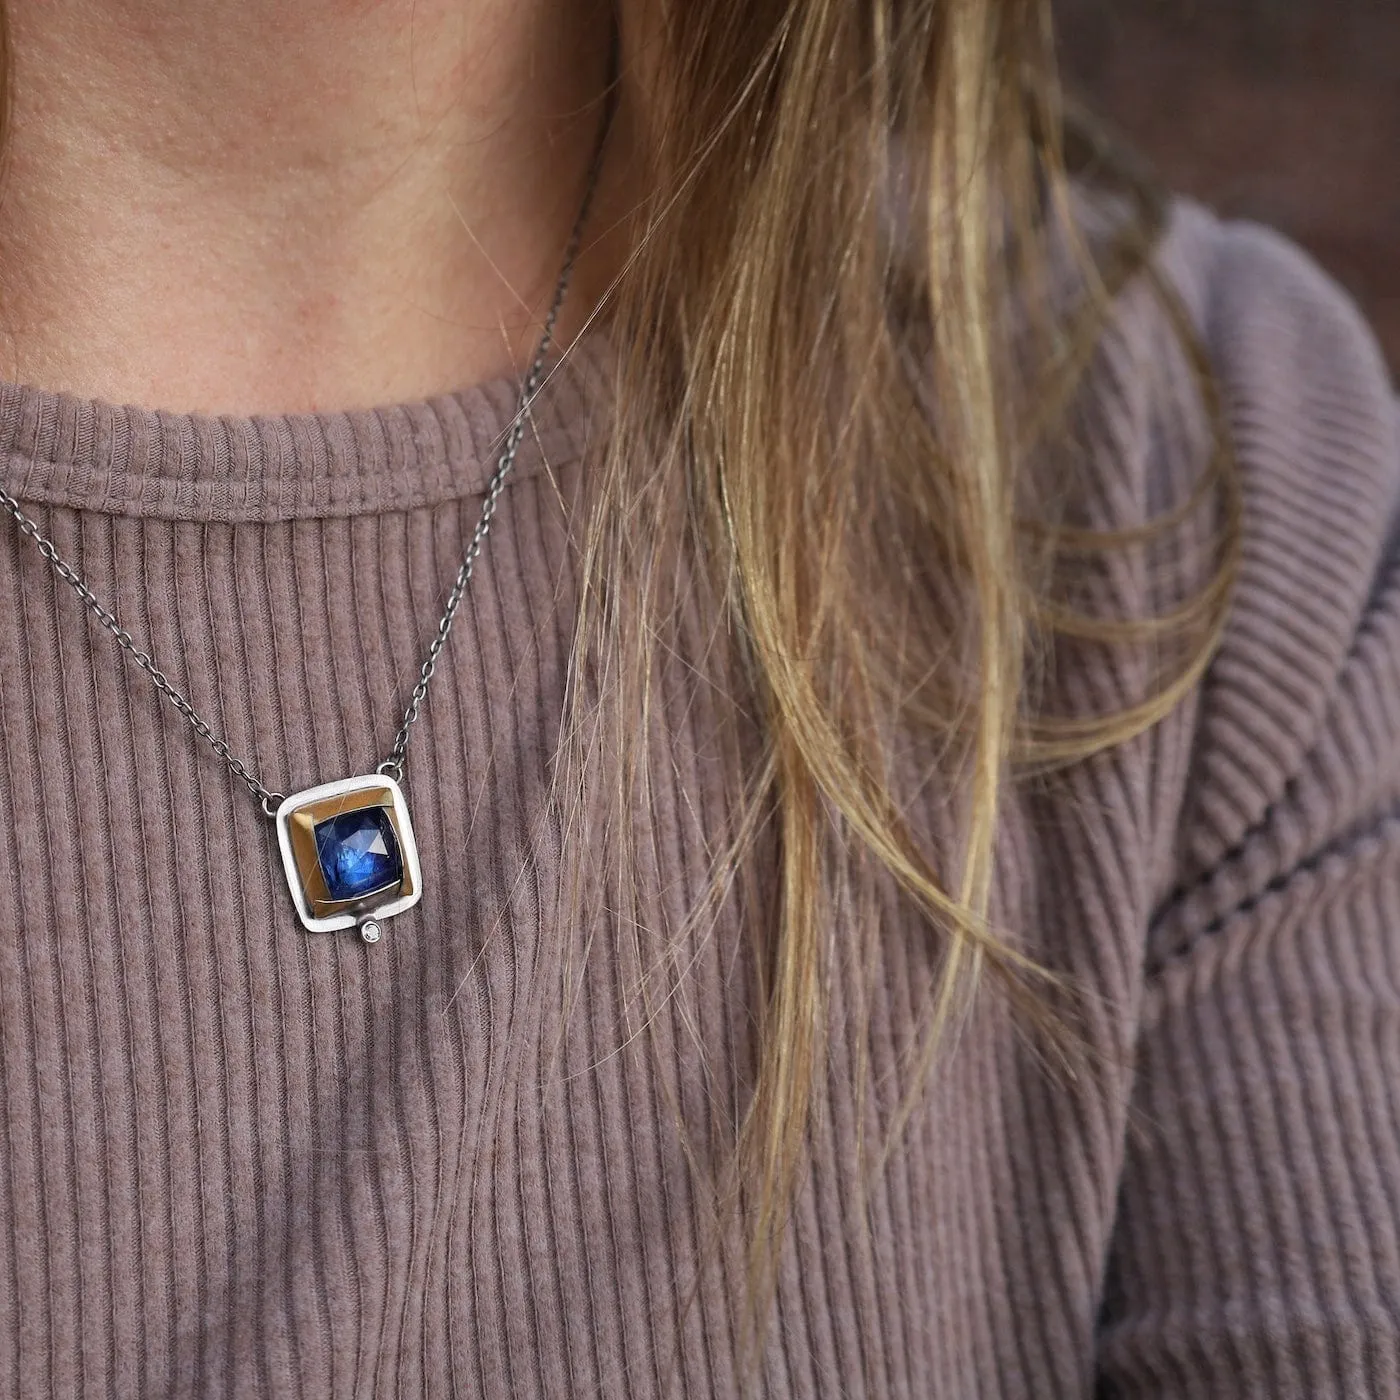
{"type": "Point", "coordinates": [840, 346]}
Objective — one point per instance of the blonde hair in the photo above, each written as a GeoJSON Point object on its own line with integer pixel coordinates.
{"type": "Point", "coordinates": [821, 411]}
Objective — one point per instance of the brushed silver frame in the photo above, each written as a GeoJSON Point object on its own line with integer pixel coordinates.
{"type": "Point", "coordinates": [408, 849]}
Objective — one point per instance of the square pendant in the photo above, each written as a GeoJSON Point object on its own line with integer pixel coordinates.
{"type": "Point", "coordinates": [349, 854]}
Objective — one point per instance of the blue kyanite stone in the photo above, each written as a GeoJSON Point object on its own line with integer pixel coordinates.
{"type": "Point", "coordinates": [359, 853]}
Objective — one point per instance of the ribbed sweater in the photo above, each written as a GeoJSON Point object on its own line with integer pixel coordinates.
{"type": "Point", "coordinates": [241, 1159]}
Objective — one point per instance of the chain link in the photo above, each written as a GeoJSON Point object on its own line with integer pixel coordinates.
{"type": "Point", "coordinates": [124, 639]}
{"type": "Point", "coordinates": [393, 765]}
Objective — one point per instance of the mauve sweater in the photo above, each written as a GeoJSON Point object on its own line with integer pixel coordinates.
{"type": "Point", "coordinates": [239, 1159]}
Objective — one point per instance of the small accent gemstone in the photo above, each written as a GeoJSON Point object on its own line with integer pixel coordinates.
{"type": "Point", "coordinates": [359, 853]}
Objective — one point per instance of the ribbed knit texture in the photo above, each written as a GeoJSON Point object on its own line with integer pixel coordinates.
{"type": "Point", "coordinates": [243, 1160]}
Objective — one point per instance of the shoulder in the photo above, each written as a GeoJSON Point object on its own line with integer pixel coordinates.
{"type": "Point", "coordinates": [1296, 743]}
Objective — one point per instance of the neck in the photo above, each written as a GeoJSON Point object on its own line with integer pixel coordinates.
{"type": "Point", "coordinates": [255, 206]}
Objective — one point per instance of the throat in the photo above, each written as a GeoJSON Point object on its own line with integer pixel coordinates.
{"type": "Point", "coordinates": [356, 204]}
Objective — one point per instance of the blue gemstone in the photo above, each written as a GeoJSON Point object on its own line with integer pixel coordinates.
{"type": "Point", "coordinates": [359, 853]}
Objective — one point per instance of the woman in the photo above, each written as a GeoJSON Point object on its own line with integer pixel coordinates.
{"type": "Point", "coordinates": [900, 895]}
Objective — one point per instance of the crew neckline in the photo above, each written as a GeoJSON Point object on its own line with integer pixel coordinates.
{"type": "Point", "coordinates": [65, 449]}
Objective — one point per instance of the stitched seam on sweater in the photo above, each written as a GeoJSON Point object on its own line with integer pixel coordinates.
{"type": "Point", "coordinates": [1288, 794]}
{"type": "Point", "coordinates": [1376, 831]}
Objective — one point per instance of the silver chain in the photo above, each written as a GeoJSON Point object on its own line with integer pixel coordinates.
{"type": "Point", "coordinates": [393, 765]}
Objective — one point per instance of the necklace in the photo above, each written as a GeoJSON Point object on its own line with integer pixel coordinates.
{"type": "Point", "coordinates": [347, 846]}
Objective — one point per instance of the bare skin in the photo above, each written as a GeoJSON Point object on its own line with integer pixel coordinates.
{"type": "Point", "coordinates": [244, 206]}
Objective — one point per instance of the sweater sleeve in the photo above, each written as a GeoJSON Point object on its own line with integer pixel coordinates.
{"type": "Point", "coordinates": [1256, 1250]}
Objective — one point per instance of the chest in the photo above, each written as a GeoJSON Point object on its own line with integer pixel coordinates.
{"type": "Point", "coordinates": [487, 1156]}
